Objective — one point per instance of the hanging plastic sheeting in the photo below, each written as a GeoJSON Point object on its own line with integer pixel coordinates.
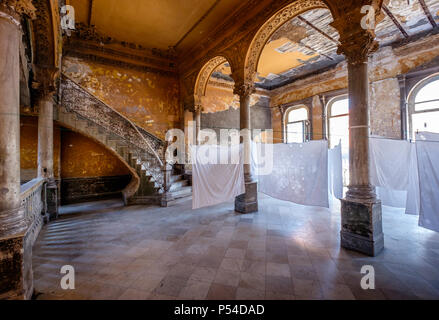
{"type": "Point", "coordinates": [394, 171]}
{"type": "Point", "coordinates": [299, 175]}
{"type": "Point", "coordinates": [427, 148]}
{"type": "Point", "coordinates": [217, 174]}
{"type": "Point", "coordinates": [335, 173]}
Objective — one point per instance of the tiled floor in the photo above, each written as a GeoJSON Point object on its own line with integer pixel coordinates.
{"type": "Point", "coordinates": [285, 251]}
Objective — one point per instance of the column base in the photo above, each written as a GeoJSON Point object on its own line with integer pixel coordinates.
{"type": "Point", "coordinates": [16, 277]}
{"type": "Point", "coordinates": [248, 202]}
{"type": "Point", "coordinates": [361, 226]}
{"type": "Point", "coordinates": [166, 200]}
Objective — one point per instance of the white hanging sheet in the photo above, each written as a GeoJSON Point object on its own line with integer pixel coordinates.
{"type": "Point", "coordinates": [299, 175]}
{"type": "Point", "coordinates": [427, 147]}
{"type": "Point", "coordinates": [335, 172]}
{"type": "Point", "coordinates": [212, 182]}
{"type": "Point", "coordinates": [394, 171]}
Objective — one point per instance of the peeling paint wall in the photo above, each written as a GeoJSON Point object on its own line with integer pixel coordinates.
{"type": "Point", "coordinates": [81, 157]}
{"type": "Point", "coordinates": [221, 110]}
{"type": "Point", "coordinates": [151, 100]}
{"type": "Point", "coordinates": [385, 110]}
{"type": "Point", "coordinates": [277, 125]}
{"type": "Point", "coordinates": [384, 67]}
{"type": "Point", "coordinates": [317, 118]}
{"type": "Point", "coordinates": [219, 99]}
{"type": "Point", "coordinates": [29, 148]}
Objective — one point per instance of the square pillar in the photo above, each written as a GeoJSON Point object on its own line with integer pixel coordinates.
{"type": "Point", "coordinates": [361, 226]}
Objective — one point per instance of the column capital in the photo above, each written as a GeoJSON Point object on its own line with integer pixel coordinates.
{"type": "Point", "coordinates": [198, 108]}
{"type": "Point", "coordinates": [45, 81]}
{"type": "Point", "coordinates": [356, 27]}
{"type": "Point", "coordinates": [244, 89]}
{"type": "Point", "coordinates": [358, 47]}
{"type": "Point", "coordinates": [14, 9]}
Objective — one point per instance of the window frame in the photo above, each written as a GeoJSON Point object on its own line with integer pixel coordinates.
{"type": "Point", "coordinates": [411, 104]}
{"type": "Point", "coordinates": [305, 123]}
{"type": "Point", "coordinates": [329, 105]}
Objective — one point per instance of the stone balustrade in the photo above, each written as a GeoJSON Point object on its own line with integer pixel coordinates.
{"type": "Point", "coordinates": [33, 202]}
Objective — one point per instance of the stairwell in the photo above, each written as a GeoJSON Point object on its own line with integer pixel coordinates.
{"type": "Point", "coordinates": [153, 181]}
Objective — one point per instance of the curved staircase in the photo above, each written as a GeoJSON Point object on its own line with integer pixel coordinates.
{"type": "Point", "coordinates": [153, 181]}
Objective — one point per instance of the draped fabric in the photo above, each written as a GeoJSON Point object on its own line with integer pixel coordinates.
{"type": "Point", "coordinates": [427, 148]}
{"type": "Point", "coordinates": [394, 171]}
{"type": "Point", "coordinates": [299, 175]}
{"type": "Point", "coordinates": [335, 173]}
{"type": "Point", "coordinates": [213, 182]}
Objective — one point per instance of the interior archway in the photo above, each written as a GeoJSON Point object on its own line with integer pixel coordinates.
{"type": "Point", "coordinates": [269, 28]}
{"type": "Point", "coordinates": [204, 75]}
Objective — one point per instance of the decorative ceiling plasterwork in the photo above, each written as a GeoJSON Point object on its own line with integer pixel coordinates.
{"type": "Point", "coordinates": [90, 33]}
{"type": "Point", "coordinates": [270, 27]}
{"type": "Point", "coordinates": [87, 43]}
{"type": "Point", "coordinates": [235, 45]}
{"type": "Point", "coordinates": [204, 76]}
{"type": "Point", "coordinates": [47, 46]}
{"type": "Point", "coordinates": [44, 34]}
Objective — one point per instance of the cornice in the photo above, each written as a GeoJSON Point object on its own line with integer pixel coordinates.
{"type": "Point", "coordinates": [118, 55]}
{"type": "Point", "coordinates": [91, 35]}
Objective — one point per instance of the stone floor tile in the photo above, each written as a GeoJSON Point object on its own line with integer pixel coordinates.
{"type": "Point", "coordinates": [227, 277]}
{"type": "Point", "coordinates": [195, 290]}
{"type": "Point", "coordinates": [221, 292]}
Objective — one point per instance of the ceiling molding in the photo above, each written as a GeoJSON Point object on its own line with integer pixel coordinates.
{"type": "Point", "coordinates": [204, 16]}
{"type": "Point", "coordinates": [120, 56]}
{"type": "Point", "coordinates": [90, 13]}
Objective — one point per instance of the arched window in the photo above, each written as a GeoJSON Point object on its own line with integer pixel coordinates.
{"type": "Point", "coordinates": [338, 121]}
{"type": "Point", "coordinates": [297, 124]}
{"type": "Point", "coordinates": [338, 129]}
{"type": "Point", "coordinates": [423, 106]}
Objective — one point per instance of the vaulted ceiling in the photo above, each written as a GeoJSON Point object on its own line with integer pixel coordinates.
{"type": "Point", "coordinates": [303, 45]}
{"type": "Point", "coordinates": [308, 43]}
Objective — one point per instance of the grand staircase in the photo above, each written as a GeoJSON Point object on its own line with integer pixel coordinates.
{"type": "Point", "coordinates": [153, 181]}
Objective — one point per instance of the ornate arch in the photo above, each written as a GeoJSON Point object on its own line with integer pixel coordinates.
{"type": "Point", "coordinates": [204, 75]}
{"type": "Point", "coordinates": [268, 28]}
{"type": "Point", "coordinates": [47, 38]}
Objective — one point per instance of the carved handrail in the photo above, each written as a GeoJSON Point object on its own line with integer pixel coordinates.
{"type": "Point", "coordinates": [123, 118]}
{"type": "Point", "coordinates": [28, 188]}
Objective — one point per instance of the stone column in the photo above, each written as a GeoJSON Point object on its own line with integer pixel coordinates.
{"type": "Point", "coordinates": [361, 220]}
{"type": "Point", "coordinates": [45, 143]}
{"type": "Point", "coordinates": [247, 202]}
{"type": "Point", "coordinates": [15, 253]}
{"type": "Point", "coordinates": [197, 115]}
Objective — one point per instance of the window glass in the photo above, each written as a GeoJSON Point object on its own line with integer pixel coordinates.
{"type": "Point", "coordinates": [298, 115]}
{"type": "Point", "coordinates": [429, 92]}
{"type": "Point", "coordinates": [295, 132]}
{"type": "Point", "coordinates": [426, 121]}
{"type": "Point", "coordinates": [340, 107]}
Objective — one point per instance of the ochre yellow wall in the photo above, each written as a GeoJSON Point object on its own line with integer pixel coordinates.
{"type": "Point", "coordinates": [276, 121]}
{"type": "Point", "coordinates": [219, 99]}
{"type": "Point", "coordinates": [151, 100]}
{"type": "Point", "coordinates": [81, 157]}
{"type": "Point", "coordinates": [29, 146]}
